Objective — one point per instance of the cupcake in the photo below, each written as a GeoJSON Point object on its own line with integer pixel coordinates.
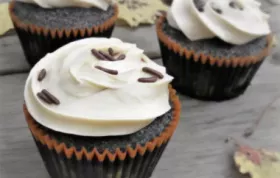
{"type": "Point", "coordinates": [100, 108]}
{"type": "Point", "coordinates": [43, 26]}
{"type": "Point", "coordinates": [213, 48]}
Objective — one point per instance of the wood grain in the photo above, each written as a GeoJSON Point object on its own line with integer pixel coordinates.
{"type": "Point", "coordinates": [12, 59]}
{"type": "Point", "coordinates": [197, 148]}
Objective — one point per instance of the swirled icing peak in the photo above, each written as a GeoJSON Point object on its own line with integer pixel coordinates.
{"type": "Point", "coordinates": [97, 87]}
{"type": "Point", "coordinates": [102, 4]}
{"type": "Point", "coordinates": [233, 21]}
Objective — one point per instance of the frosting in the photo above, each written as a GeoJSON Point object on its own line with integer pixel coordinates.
{"type": "Point", "coordinates": [97, 97]}
{"type": "Point", "coordinates": [102, 4]}
{"type": "Point", "coordinates": [233, 21]}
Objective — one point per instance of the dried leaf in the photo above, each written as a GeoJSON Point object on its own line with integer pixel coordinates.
{"type": "Point", "coordinates": [274, 41]}
{"type": "Point", "coordinates": [257, 163]}
{"type": "Point", "coordinates": [136, 12]}
{"type": "Point", "coordinates": [5, 21]}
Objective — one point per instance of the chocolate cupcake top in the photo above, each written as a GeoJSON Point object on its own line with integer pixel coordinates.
{"type": "Point", "coordinates": [102, 4]}
{"type": "Point", "coordinates": [233, 21]}
{"type": "Point", "coordinates": [97, 87]}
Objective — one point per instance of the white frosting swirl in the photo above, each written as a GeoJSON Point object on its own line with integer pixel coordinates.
{"type": "Point", "coordinates": [101, 4]}
{"type": "Point", "coordinates": [233, 21]}
{"type": "Point", "coordinates": [93, 102]}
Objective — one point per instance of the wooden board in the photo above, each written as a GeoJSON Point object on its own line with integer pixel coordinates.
{"type": "Point", "coordinates": [197, 148]}
{"type": "Point", "coordinates": [12, 59]}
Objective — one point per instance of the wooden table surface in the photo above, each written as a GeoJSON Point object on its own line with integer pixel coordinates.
{"type": "Point", "coordinates": [197, 148]}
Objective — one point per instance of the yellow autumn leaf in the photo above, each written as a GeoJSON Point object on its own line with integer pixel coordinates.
{"type": "Point", "coordinates": [5, 21]}
{"type": "Point", "coordinates": [136, 12]}
{"type": "Point", "coordinates": [257, 163]}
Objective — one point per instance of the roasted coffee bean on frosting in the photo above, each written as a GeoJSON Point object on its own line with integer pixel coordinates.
{"type": "Point", "coordinates": [156, 75]}
{"type": "Point", "coordinates": [109, 71]}
{"type": "Point", "coordinates": [111, 56]}
{"type": "Point", "coordinates": [41, 96]}
{"type": "Point", "coordinates": [97, 54]}
{"type": "Point", "coordinates": [51, 97]}
{"type": "Point", "coordinates": [148, 79]}
{"type": "Point", "coordinates": [153, 72]}
{"type": "Point", "coordinates": [47, 97]}
{"type": "Point", "coordinates": [107, 56]}
{"type": "Point", "coordinates": [42, 75]}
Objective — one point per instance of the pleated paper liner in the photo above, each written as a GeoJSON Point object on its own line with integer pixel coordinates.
{"type": "Point", "coordinates": [139, 162]}
{"type": "Point", "coordinates": [207, 77]}
{"type": "Point", "coordinates": [37, 41]}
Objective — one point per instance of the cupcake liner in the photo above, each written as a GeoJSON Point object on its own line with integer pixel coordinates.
{"type": "Point", "coordinates": [37, 41]}
{"type": "Point", "coordinates": [139, 162]}
{"type": "Point", "coordinates": [208, 77]}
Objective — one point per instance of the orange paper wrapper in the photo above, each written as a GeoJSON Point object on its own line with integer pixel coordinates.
{"type": "Point", "coordinates": [139, 161]}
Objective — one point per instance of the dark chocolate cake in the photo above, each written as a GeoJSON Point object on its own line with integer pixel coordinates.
{"type": "Point", "coordinates": [61, 18]}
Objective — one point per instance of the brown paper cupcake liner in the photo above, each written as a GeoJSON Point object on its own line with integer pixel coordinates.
{"type": "Point", "coordinates": [37, 41]}
{"type": "Point", "coordinates": [208, 77]}
{"type": "Point", "coordinates": [147, 155]}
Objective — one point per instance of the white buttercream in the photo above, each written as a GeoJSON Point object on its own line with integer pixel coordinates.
{"type": "Point", "coordinates": [93, 102]}
{"type": "Point", "coordinates": [237, 26]}
{"type": "Point", "coordinates": [102, 4]}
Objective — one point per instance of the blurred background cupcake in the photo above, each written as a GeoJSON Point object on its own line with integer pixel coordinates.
{"type": "Point", "coordinates": [45, 25]}
{"type": "Point", "coordinates": [213, 48]}
{"type": "Point", "coordinates": [100, 108]}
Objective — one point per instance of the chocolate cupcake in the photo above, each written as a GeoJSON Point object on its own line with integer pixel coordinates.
{"type": "Point", "coordinates": [100, 108]}
{"type": "Point", "coordinates": [44, 26]}
{"type": "Point", "coordinates": [212, 48]}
